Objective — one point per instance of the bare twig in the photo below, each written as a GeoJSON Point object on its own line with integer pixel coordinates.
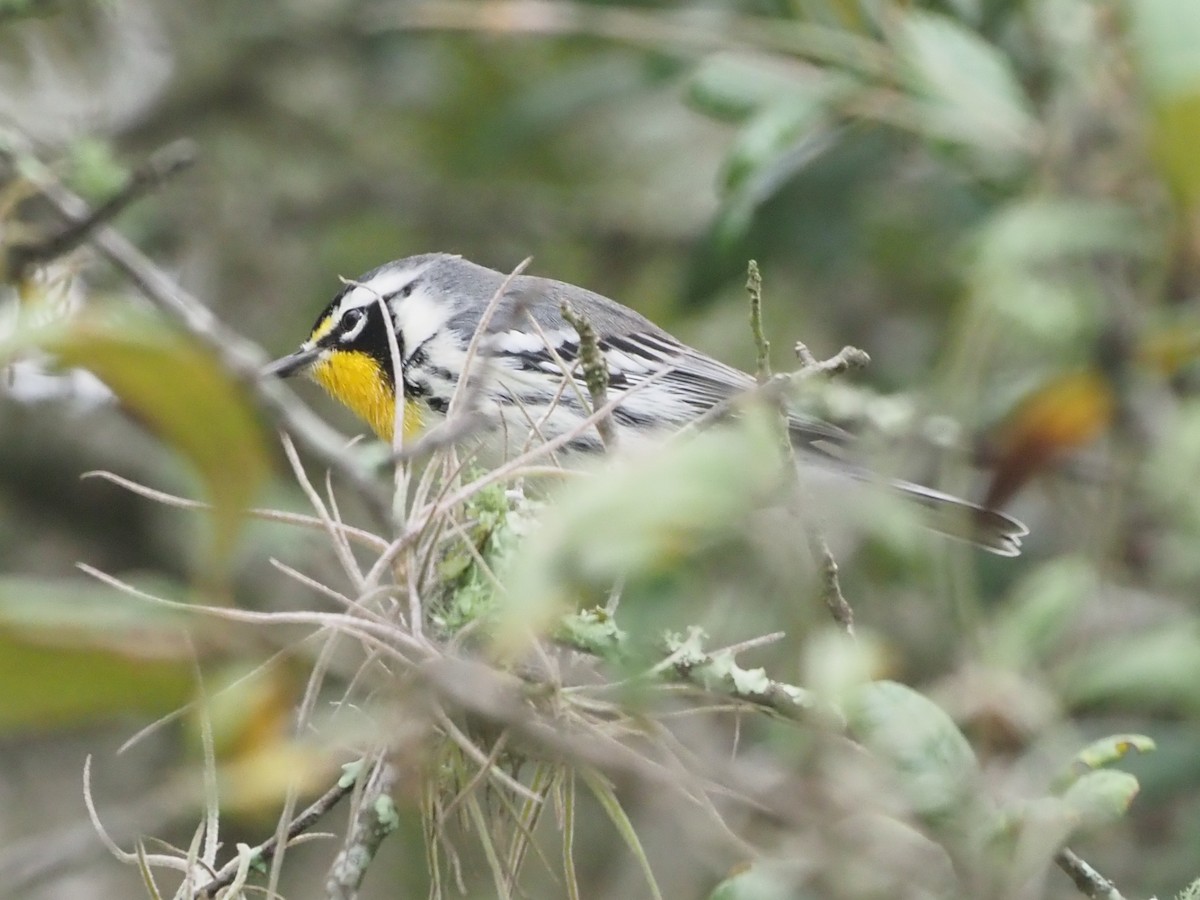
{"type": "Point", "coordinates": [1090, 882]}
{"type": "Point", "coordinates": [777, 386]}
{"type": "Point", "coordinates": [831, 591]}
{"type": "Point", "coordinates": [835, 600]}
{"type": "Point", "coordinates": [150, 174]}
{"type": "Point", "coordinates": [267, 849]}
{"type": "Point", "coordinates": [595, 371]}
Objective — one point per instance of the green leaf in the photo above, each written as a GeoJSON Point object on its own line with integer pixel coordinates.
{"type": "Point", "coordinates": [1102, 753]}
{"type": "Point", "coordinates": [1040, 609]}
{"type": "Point", "coordinates": [762, 880]}
{"type": "Point", "coordinates": [649, 519]}
{"type": "Point", "coordinates": [73, 652]}
{"type": "Point", "coordinates": [1164, 35]}
{"type": "Point", "coordinates": [734, 86]}
{"type": "Point", "coordinates": [967, 90]}
{"type": "Point", "coordinates": [1101, 797]}
{"type": "Point", "coordinates": [1159, 668]}
{"type": "Point", "coordinates": [771, 132]}
{"type": "Point", "coordinates": [178, 391]}
{"type": "Point", "coordinates": [934, 765]}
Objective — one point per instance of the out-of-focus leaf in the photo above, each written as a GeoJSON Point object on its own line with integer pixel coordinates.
{"type": "Point", "coordinates": [1039, 610]}
{"type": "Point", "coordinates": [247, 710]}
{"type": "Point", "coordinates": [1101, 797]}
{"type": "Point", "coordinates": [835, 667]}
{"type": "Point", "coordinates": [1150, 668]}
{"type": "Point", "coordinates": [1062, 415]}
{"type": "Point", "coordinates": [763, 880]}
{"type": "Point", "coordinates": [934, 765]}
{"type": "Point", "coordinates": [643, 520]}
{"type": "Point", "coordinates": [770, 133]}
{"type": "Point", "coordinates": [735, 86]}
{"type": "Point", "coordinates": [254, 785]}
{"type": "Point", "coordinates": [967, 89]}
{"type": "Point", "coordinates": [1035, 231]}
{"type": "Point", "coordinates": [73, 652]}
{"type": "Point", "coordinates": [1164, 35]}
{"type": "Point", "coordinates": [179, 392]}
{"type": "Point", "coordinates": [95, 171]}
{"type": "Point", "coordinates": [1171, 349]}
{"type": "Point", "coordinates": [1017, 271]}
{"type": "Point", "coordinates": [1101, 753]}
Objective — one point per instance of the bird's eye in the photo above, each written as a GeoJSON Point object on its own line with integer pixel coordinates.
{"type": "Point", "coordinates": [353, 322]}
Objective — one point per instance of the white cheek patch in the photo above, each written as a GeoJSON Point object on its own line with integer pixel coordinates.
{"type": "Point", "coordinates": [419, 317]}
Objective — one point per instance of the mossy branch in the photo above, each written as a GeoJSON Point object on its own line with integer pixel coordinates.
{"type": "Point", "coordinates": [762, 358]}
{"type": "Point", "coordinates": [595, 371]}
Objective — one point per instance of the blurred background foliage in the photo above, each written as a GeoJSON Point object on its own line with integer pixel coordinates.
{"type": "Point", "coordinates": [997, 199]}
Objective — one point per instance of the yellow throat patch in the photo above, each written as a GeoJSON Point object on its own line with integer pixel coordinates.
{"type": "Point", "coordinates": [356, 380]}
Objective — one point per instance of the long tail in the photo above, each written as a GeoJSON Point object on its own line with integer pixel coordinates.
{"type": "Point", "coordinates": [954, 517]}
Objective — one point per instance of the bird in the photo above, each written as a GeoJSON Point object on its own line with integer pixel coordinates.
{"type": "Point", "coordinates": [526, 372]}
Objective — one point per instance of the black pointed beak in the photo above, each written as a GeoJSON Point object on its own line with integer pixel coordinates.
{"type": "Point", "coordinates": [292, 364]}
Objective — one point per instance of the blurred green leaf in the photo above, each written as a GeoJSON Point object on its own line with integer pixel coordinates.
{"type": "Point", "coordinates": [1021, 254]}
{"type": "Point", "coordinates": [95, 170]}
{"type": "Point", "coordinates": [771, 132]}
{"type": "Point", "coordinates": [177, 390]}
{"type": "Point", "coordinates": [762, 880]}
{"type": "Point", "coordinates": [968, 91]}
{"type": "Point", "coordinates": [1164, 36]}
{"type": "Point", "coordinates": [643, 520]}
{"type": "Point", "coordinates": [1101, 753]}
{"type": "Point", "coordinates": [935, 766]}
{"type": "Point", "coordinates": [1160, 668]}
{"type": "Point", "coordinates": [73, 652]}
{"type": "Point", "coordinates": [736, 86]}
{"type": "Point", "coordinates": [1101, 797]}
{"type": "Point", "coordinates": [1040, 608]}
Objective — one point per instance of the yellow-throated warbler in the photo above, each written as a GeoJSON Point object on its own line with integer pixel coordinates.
{"type": "Point", "coordinates": [437, 301]}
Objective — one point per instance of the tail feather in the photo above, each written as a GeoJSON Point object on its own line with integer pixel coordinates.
{"type": "Point", "coordinates": [955, 517]}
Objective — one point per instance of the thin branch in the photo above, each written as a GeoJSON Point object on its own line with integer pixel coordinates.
{"type": "Point", "coordinates": [835, 600]}
{"type": "Point", "coordinates": [762, 347]}
{"type": "Point", "coordinates": [831, 592]}
{"type": "Point", "coordinates": [1089, 882]}
{"type": "Point", "coordinates": [146, 177]}
{"type": "Point", "coordinates": [265, 851]}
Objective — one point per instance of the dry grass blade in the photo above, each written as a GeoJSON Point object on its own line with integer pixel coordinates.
{"type": "Point", "coordinates": [338, 542]}
{"type": "Point", "coordinates": [147, 873]}
{"type": "Point", "coordinates": [566, 789]}
{"type": "Point", "coordinates": [607, 799]}
{"type": "Point", "coordinates": [500, 878]}
{"type": "Point", "coordinates": [366, 538]}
